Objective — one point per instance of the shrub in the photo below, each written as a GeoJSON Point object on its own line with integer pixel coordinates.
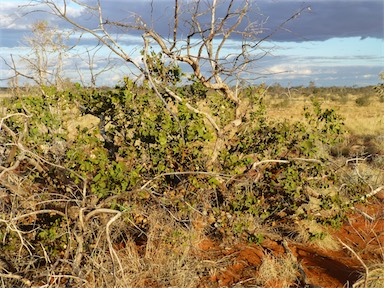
{"type": "Point", "coordinates": [142, 158]}
{"type": "Point", "coordinates": [363, 101]}
{"type": "Point", "coordinates": [379, 89]}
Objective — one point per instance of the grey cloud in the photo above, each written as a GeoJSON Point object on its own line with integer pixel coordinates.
{"type": "Point", "coordinates": [324, 20]}
{"type": "Point", "coordinates": [327, 19]}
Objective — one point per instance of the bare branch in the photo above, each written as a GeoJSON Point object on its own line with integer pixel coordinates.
{"type": "Point", "coordinates": [175, 26]}
{"type": "Point", "coordinates": [99, 33]}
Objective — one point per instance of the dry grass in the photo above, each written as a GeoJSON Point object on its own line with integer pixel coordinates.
{"type": "Point", "coordinates": [309, 231]}
{"type": "Point", "coordinates": [374, 279]}
{"type": "Point", "coordinates": [363, 121]}
{"type": "Point", "coordinates": [164, 260]}
{"type": "Point", "coordinates": [279, 271]}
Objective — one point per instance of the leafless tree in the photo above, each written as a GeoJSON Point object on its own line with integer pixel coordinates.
{"type": "Point", "coordinates": [43, 64]}
{"type": "Point", "coordinates": [45, 60]}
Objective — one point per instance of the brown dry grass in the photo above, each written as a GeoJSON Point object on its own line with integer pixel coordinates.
{"type": "Point", "coordinates": [164, 260]}
{"type": "Point", "coordinates": [374, 279]}
{"type": "Point", "coordinates": [278, 271]}
{"type": "Point", "coordinates": [362, 121]}
{"type": "Point", "coordinates": [309, 231]}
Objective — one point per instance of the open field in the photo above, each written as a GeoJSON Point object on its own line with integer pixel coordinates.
{"type": "Point", "coordinates": [128, 204]}
{"type": "Point", "coordinates": [359, 120]}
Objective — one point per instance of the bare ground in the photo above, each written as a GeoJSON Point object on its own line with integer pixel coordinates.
{"type": "Point", "coordinates": [362, 251]}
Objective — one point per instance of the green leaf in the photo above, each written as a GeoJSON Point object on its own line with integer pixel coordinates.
{"type": "Point", "coordinates": [162, 139]}
{"type": "Point", "coordinates": [97, 177]}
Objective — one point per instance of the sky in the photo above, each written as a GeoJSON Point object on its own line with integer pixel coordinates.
{"type": "Point", "coordinates": [331, 42]}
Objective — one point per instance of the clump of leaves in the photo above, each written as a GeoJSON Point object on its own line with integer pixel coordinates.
{"type": "Point", "coordinates": [296, 164]}
{"type": "Point", "coordinates": [379, 89]}
{"type": "Point", "coordinates": [139, 137]}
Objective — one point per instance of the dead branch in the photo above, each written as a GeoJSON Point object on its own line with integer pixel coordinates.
{"type": "Point", "coordinates": [372, 193]}
{"type": "Point", "coordinates": [184, 173]}
{"type": "Point", "coordinates": [118, 214]}
{"type": "Point", "coordinates": [100, 33]}
{"type": "Point", "coordinates": [254, 165]}
{"type": "Point", "coordinates": [45, 211]}
{"type": "Point", "coordinates": [360, 260]}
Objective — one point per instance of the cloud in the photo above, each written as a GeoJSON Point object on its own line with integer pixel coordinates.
{"type": "Point", "coordinates": [297, 70]}
{"type": "Point", "coordinates": [324, 19]}
{"type": "Point", "coordinates": [293, 71]}
{"type": "Point", "coordinates": [327, 19]}
{"type": "Point", "coordinates": [11, 16]}
{"type": "Point", "coordinates": [75, 11]}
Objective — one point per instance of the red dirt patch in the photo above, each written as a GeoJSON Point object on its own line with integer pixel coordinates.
{"type": "Point", "coordinates": [328, 268]}
{"type": "Point", "coordinates": [319, 267]}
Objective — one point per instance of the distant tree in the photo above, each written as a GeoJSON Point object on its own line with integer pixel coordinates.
{"type": "Point", "coordinates": [47, 51]}
{"type": "Point", "coordinates": [43, 64]}
{"type": "Point", "coordinates": [379, 88]}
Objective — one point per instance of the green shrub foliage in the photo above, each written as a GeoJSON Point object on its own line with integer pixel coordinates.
{"type": "Point", "coordinates": [136, 156]}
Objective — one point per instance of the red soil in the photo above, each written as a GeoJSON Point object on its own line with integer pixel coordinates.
{"type": "Point", "coordinates": [319, 267]}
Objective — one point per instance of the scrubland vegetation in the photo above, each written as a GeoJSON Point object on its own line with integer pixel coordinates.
{"type": "Point", "coordinates": [100, 188]}
{"type": "Point", "coordinates": [185, 174]}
